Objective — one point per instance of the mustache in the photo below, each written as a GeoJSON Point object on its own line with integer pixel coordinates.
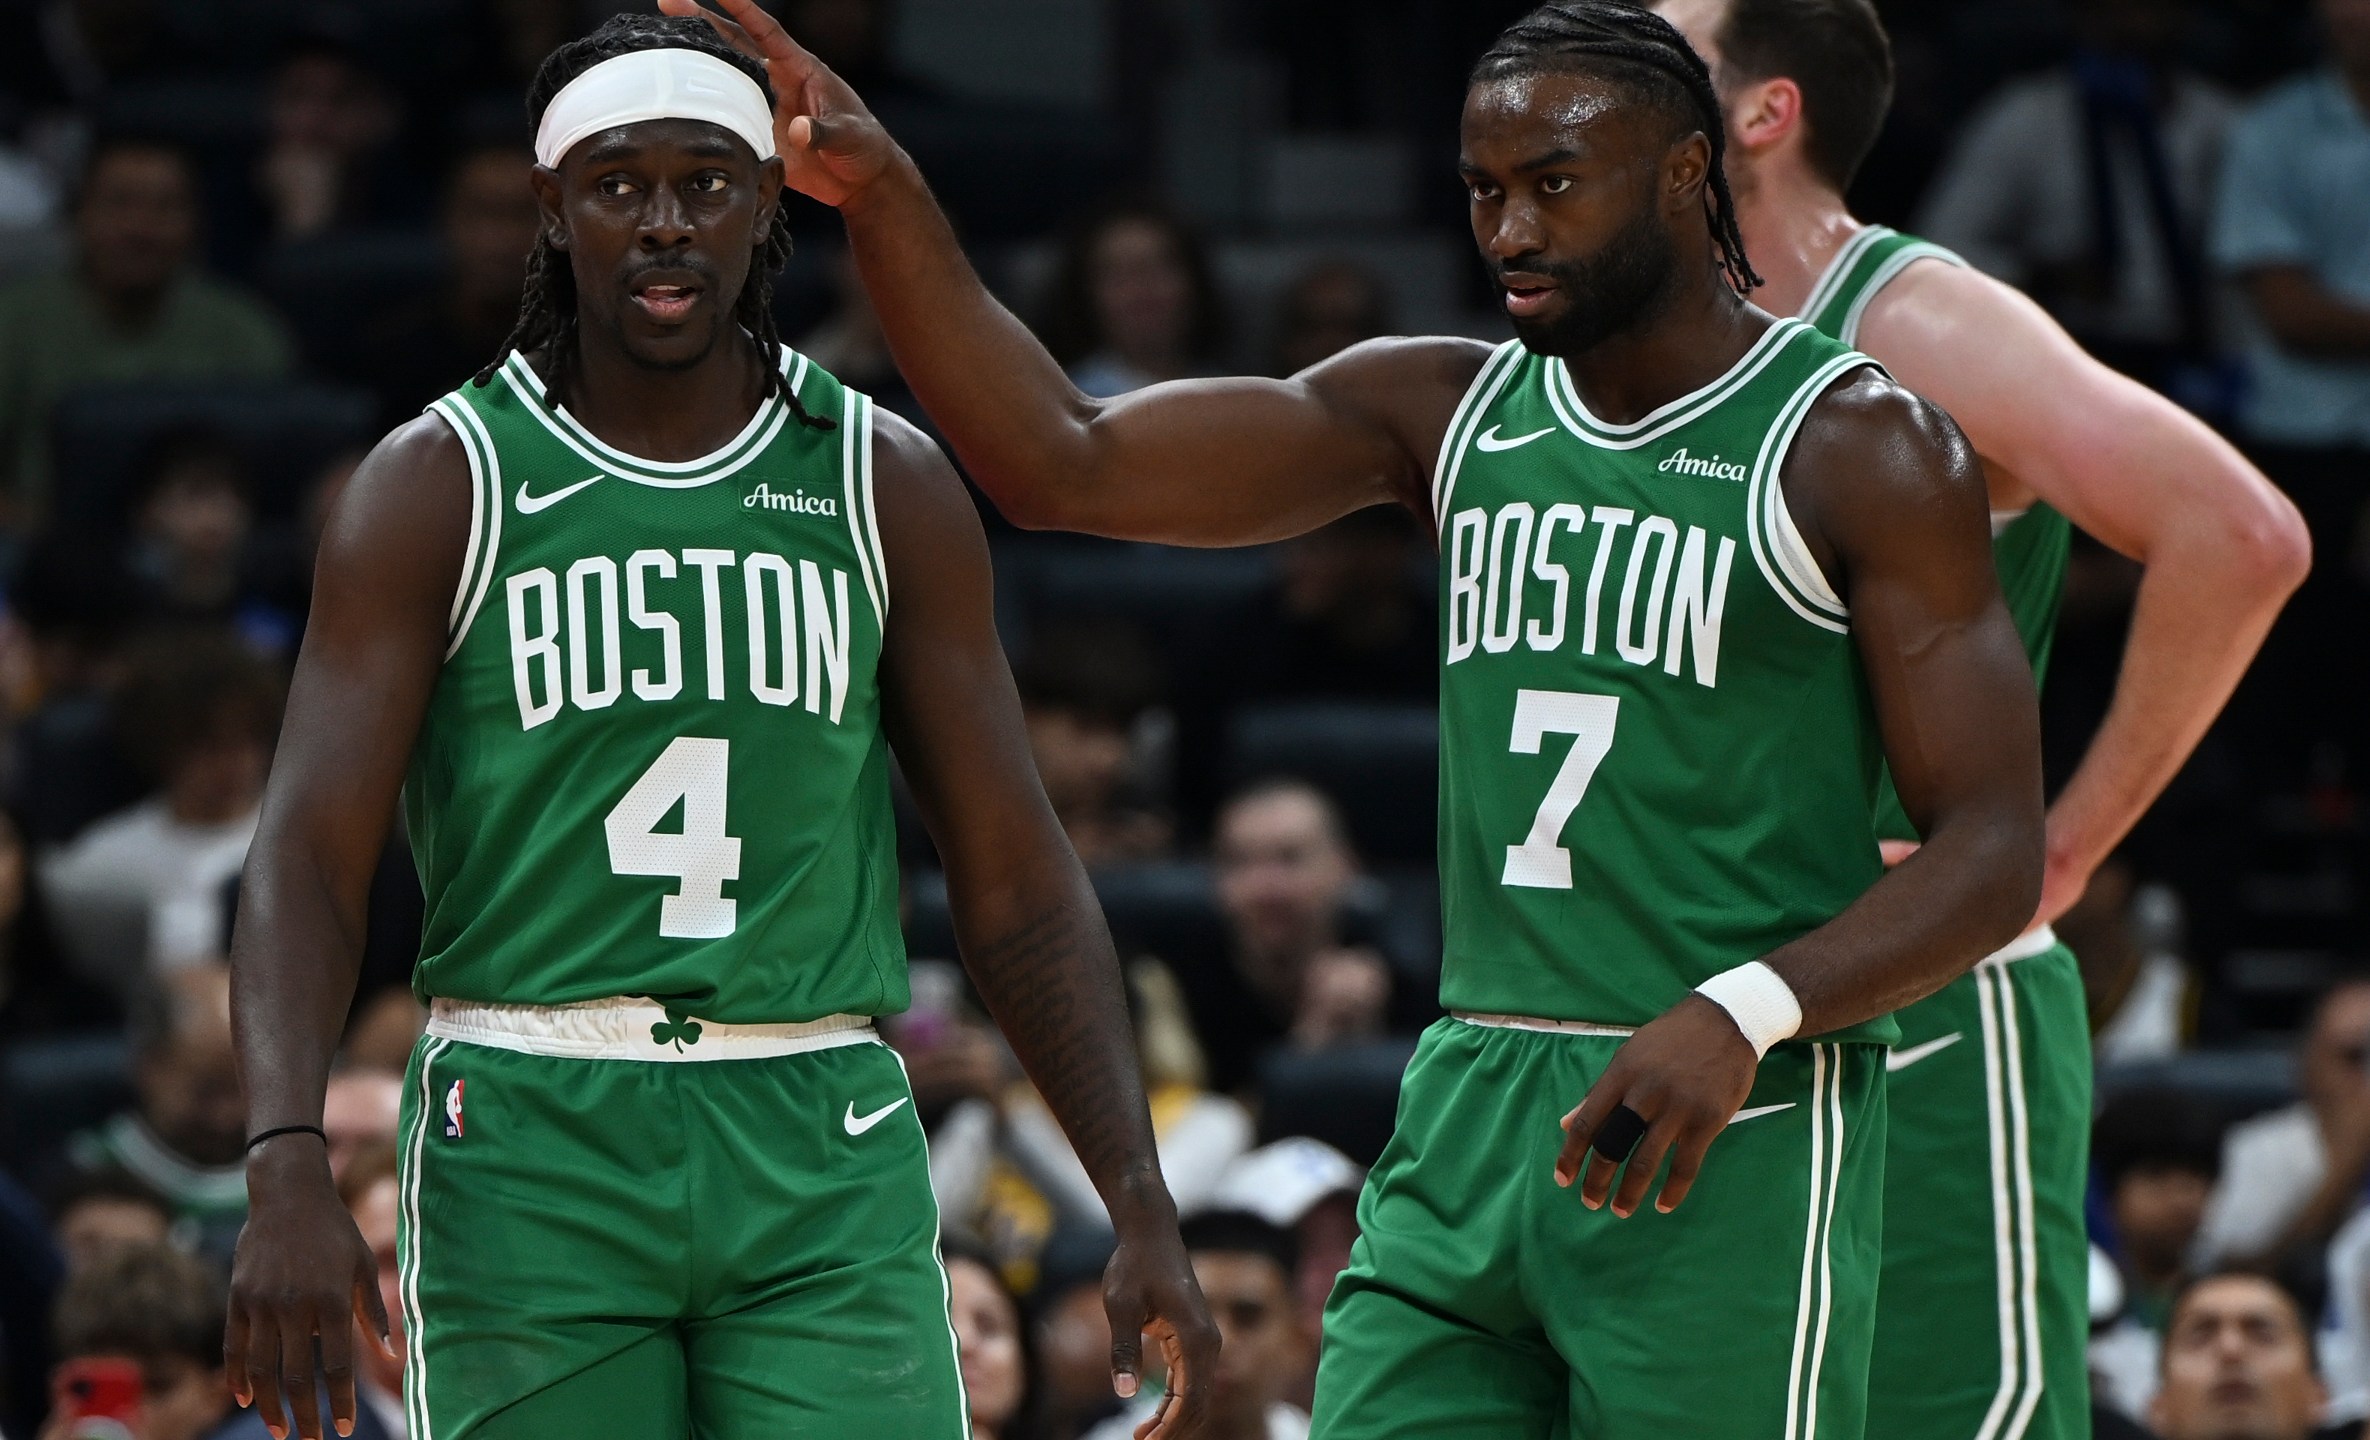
{"type": "Point", "coordinates": [699, 268]}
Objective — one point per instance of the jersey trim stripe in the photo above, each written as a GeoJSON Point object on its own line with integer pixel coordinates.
{"type": "Point", "coordinates": [665, 474]}
{"type": "Point", "coordinates": [946, 1288]}
{"type": "Point", "coordinates": [856, 492]}
{"type": "Point", "coordinates": [1778, 549]}
{"type": "Point", "coordinates": [1835, 1139]}
{"type": "Point", "coordinates": [872, 523]}
{"type": "Point", "coordinates": [1814, 1239]}
{"type": "Point", "coordinates": [1839, 269]}
{"type": "Point", "coordinates": [1482, 394]}
{"type": "Point", "coordinates": [415, 1370]}
{"type": "Point", "coordinates": [1885, 274]}
{"type": "Point", "coordinates": [1564, 396]}
{"type": "Point", "coordinates": [475, 426]}
{"type": "Point", "coordinates": [1452, 442]}
{"type": "Point", "coordinates": [442, 409]}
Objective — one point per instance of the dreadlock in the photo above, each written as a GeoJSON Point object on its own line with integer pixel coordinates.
{"type": "Point", "coordinates": [547, 311]}
{"type": "Point", "coordinates": [1643, 50]}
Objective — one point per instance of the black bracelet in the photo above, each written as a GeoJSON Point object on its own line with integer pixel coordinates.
{"type": "Point", "coordinates": [256, 1140]}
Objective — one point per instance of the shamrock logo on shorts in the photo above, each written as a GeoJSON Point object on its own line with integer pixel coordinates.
{"type": "Point", "coordinates": [677, 1030]}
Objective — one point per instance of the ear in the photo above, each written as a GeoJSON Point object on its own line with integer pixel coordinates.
{"type": "Point", "coordinates": [1764, 114]}
{"type": "Point", "coordinates": [546, 183]}
{"type": "Point", "coordinates": [1687, 168]}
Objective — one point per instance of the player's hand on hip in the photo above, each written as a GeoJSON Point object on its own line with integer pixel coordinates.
{"type": "Point", "coordinates": [302, 1272]}
{"type": "Point", "coordinates": [1149, 1290]}
{"type": "Point", "coordinates": [831, 145]}
{"type": "Point", "coordinates": [1680, 1080]}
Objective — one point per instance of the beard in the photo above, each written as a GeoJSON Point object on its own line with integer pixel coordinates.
{"type": "Point", "coordinates": [1606, 294]}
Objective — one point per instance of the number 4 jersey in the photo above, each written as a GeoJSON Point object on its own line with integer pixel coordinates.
{"type": "Point", "coordinates": [1659, 756]}
{"type": "Point", "coordinates": [653, 764]}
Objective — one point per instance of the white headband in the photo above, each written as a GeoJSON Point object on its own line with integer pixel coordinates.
{"type": "Point", "coordinates": [655, 85]}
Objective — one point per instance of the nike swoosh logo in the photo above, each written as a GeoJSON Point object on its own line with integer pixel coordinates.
{"type": "Point", "coordinates": [1760, 1110]}
{"type": "Point", "coordinates": [1488, 439]}
{"type": "Point", "coordinates": [858, 1124]}
{"type": "Point", "coordinates": [529, 504]}
{"type": "Point", "coordinates": [1903, 1059]}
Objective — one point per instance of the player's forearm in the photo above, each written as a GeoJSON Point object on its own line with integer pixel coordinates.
{"type": "Point", "coordinates": [1041, 957]}
{"type": "Point", "coordinates": [2206, 601]}
{"type": "Point", "coordinates": [1967, 891]}
{"type": "Point", "coordinates": [1018, 424]}
{"type": "Point", "coordinates": [295, 958]}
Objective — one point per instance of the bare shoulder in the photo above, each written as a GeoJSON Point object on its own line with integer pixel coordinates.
{"type": "Point", "coordinates": [922, 504]}
{"type": "Point", "coordinates": [1943, 327]}
{"type": "Point", "coordinates": [1408, 387]}
{"type": "Point", "coordinates": [1869, 429]}
{"type": "Point", "coordinates": [412, 489]}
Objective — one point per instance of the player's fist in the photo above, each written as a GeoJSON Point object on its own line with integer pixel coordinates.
{"type": "Point", "coordinates": [831, 146]}
{"type": "Point", "coordinates": [1669, 1092]}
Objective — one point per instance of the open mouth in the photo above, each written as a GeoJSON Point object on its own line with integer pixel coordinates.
{"type": "Point", "coordinates": [1527, 295]}
{"type": "Point", "coordinates": [667, 301]}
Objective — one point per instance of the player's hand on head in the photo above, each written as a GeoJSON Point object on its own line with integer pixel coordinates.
{"type": "Point", "coordinates": [1149, 1291]}
{"type": "Point", "coordinates": [831, 145]}
{"type": "Point", "coordinates": [1680, 1080]}
{"type": "Point", "coordinates": [302, 1272]}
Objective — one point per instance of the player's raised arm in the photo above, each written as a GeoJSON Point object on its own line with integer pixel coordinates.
{"type": "Point", "coordinates": [1890, 498]}
{"type": "Point", "coordinates": [1031, 931]}
{"type": "Point", "coordinates": [2221, 547]}
{"type": "Point", "coordinates": [1196, 462]}
{"type": "Point", "coordinates": [390, 561]}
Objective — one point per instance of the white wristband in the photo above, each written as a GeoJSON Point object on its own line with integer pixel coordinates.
{"type": "Point", "coordinates": [1762, 1005]}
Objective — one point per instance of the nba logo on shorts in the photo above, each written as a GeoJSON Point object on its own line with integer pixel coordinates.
{"type": "Point", "coordinates": [452, 1111]}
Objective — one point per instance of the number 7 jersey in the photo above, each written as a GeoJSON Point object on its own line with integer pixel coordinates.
{"type": "Point", "coordinates": [1659, 758]}
{"type": "Point", "coordinates": [653, 763]}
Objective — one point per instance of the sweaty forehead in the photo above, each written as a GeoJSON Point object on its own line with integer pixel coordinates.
{"type": "Point", "coordinates": [659, 141]}
{"type": "Point", "coordinates": [1517, 117]}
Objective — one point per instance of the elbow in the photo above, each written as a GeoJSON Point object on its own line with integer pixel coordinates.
{"type": "Point", "coordinates": [2273, 545]}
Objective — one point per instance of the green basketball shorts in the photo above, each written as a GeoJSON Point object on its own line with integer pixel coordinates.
{"type": "Point", "coordinates": [1983, 1315]}
{"type": "Point", "coordinates": [1483, 1302]}
{"type": "Point", "coordinates": [623, 1223]}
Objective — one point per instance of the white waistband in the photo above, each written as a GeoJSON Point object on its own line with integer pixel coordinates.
{"type": "Point", "coordinates": [1545, 1027]}
{"type": "Point", "coordinates": [2024, 947]}
{"type": "Point", "coordinates": [634, 1028]}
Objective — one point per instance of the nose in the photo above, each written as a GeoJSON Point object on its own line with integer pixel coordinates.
{"type": "Point", "coordinates": [1515, 234]}
{"type": "Point", "coordinates": [666, 220]}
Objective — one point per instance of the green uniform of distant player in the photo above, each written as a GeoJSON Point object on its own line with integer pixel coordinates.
{"type": "Point", "coordinates": [1701, 571]}
{"type": "Point", "coordinates": [1982, 1322]}
{"type": "Point", "coordinates": [658, 1175]}
{"type": "Point", "coordinates": [1989, 1281]}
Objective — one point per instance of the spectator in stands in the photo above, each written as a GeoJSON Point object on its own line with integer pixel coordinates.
{"type": "Point", "coordinates": [2090, 185]}
{"type": "Point", "coordinates": [430, 344]}
{"type": "Point", "coordinates": [849, 343]}
{"type": "Point", "coordinates": [128, 306]}
{"type": "Point", "coordinates": [186, 1135]}
{"type": "Point", "coordinates": [2157, 1153]}
{"type": "Point", "coordinates": [195, 546]}
{"type": "Point", "coordinates": [1134, 301]}
{"type": "Point", "coordinates": [1309, 1188]}
{"type": "Point", "coordinates": [2291, 1177]}
{"type": "Point", "coordinates": [991, 1340]}
{"type": "Point", "coordinates": [1087, 689]}
{"type": "Point", "coordinates": [360, 1112]}
{"type": "Point", "coordinates": [67, 768]}
{"type": "Point", "coordinates": [143, 887]}
{"type": "Point", "coordinates": [326, 163]}
{"type": "Point", "coordinates": [1072, 1334]}
{"type": "Point", "coordinates": [101, 1211]}
{"type": "Point", "coordinates": [1302, 973]}
{"type": "Point", "coordinates": [1245, 1266]}
{"type": "Point", "coordinates": [39, 994]}
{"type": "Point", "coordinates": [162, 1311]}
{"type": "Point", "coordinates": [1327, 308]}
{"type": "Point", "coordinates": [2238, 1364]}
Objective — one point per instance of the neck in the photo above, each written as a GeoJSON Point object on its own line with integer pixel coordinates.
{"type": "Point", "coordinates": [1793, 225]}
{"type": "Point", "coordinates": [129, 309]}
{"type": "Point", "coordinates": [666, 415]}
{"type": "Point", "coordinates": [1689, 344]}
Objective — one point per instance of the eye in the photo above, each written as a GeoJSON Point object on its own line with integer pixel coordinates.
{"type": "Point", "coordinates": [1555, 184]}
{"type": "Point", "coordinates": [615, 185]}
{"type": "Point", "coordinates": [1481, 190]}
{"type": "Point", "coordinates": [712, 183]}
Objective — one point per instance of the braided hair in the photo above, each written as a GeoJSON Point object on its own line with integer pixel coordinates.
{"type": "Point", "coordinates": [1641, 49]}
{"type": "Point", "coordinates": [547, 310]}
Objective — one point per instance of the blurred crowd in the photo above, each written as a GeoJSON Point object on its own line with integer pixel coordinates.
{"type": "Point", "coordinates": [239, 240]}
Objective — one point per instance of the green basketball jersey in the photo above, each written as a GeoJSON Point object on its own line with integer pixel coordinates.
{"type": "Point", "coordinates": [653, 764]}
{"type": "Point", "coordinates": [1658, 751]}
{"type": "Point", "coordinates": [2028, 546]}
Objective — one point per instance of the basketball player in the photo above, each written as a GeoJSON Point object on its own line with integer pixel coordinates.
{"type": "Point", "coordinates": [1983, 1314]}
{"type": "Point", "coordinates": [1702, 571]}
{"type": "Point", "coordinates": [633, 621]}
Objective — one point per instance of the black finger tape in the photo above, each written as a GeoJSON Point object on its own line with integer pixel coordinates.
{"type": "Point", "coordinates": [1619, 1135]}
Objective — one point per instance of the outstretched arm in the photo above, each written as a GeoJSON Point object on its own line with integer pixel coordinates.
{"type": "Point", "coordinates": [1890, 498]}
{"type": "Point", "coordinates": [1031, 932]}
{"type": "Point", "coordinates": [390, 561]}
{"type": "Point", "coordinates": [2221, 548]}
{"type": "Point", "coordinates": [1195, 462]}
